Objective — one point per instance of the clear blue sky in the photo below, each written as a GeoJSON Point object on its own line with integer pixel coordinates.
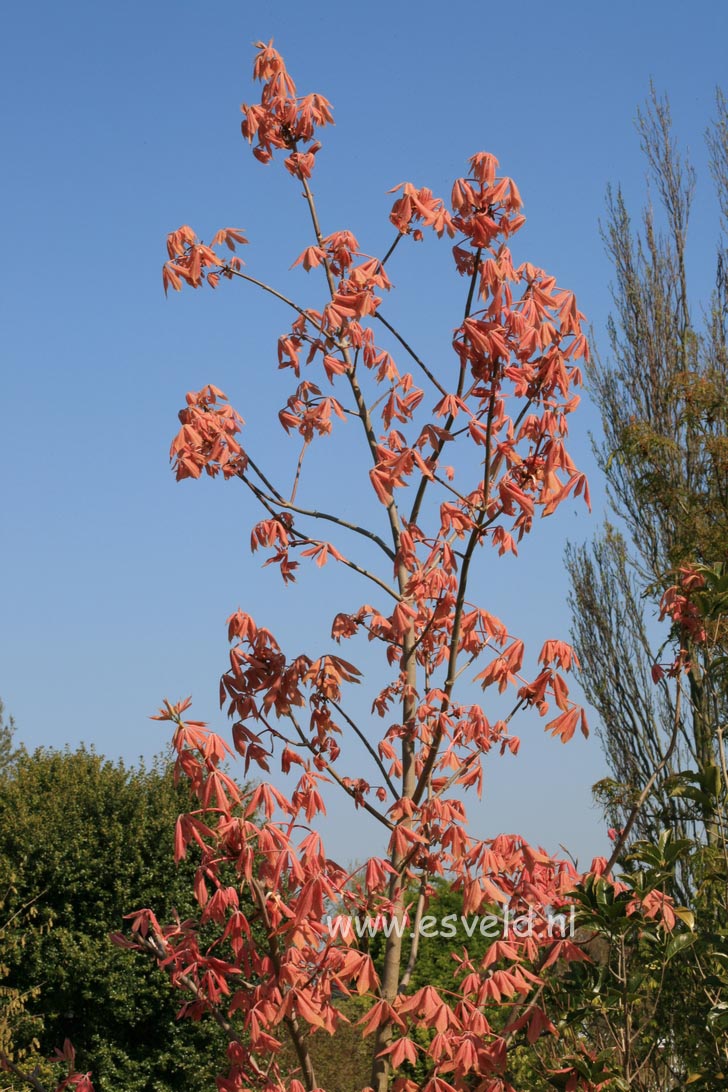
{"type": "Point", "coordinates": [122, 123]}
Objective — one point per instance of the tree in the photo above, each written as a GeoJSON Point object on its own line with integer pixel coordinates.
{"type": "Point", "coordinates": [660, 691]}
{"type": "Point", "coordinates": [660, 1009]}
{"type": "Point", "coordinates": [663, 399]}
{"type": "Point", "coordinates": [82, 840]}
{"type": "Point", "coordinates": [469, 472]}
{"type": "Point", "coordinates": [462, 463]}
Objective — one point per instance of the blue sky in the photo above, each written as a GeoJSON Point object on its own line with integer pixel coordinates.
{"type": "Point", "coordinates": [123, 123]}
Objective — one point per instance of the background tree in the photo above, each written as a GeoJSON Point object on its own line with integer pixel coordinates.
{"type": "Point", "coordinates": [662, 394]}
{"type": "Point", "coordinates": [7, 746]}
{"type": "Point", "coordinates": [653, 1002]}
{"type": "Point", "coordinates": [82, 841]}
{"type": "Point", "coordinates": [660, 691]}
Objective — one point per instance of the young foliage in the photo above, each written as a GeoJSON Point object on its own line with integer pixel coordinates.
{"type": "Point", "coordinates": [459, 457]}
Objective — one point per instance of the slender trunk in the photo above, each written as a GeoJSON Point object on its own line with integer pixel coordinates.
{"type": "Point", "coordinates": [393, 951]}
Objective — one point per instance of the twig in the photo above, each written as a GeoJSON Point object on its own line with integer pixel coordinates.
{"type": "Point", "coordinates": [29, 1078]}
{"type": "Point", "coordinates": [315, 514]}
{"type": "Point", "coordinates": [392, 248]}
{"type": "Point", "coordinates": [368, 746]}
{"type": "Point", "coordinates": [338, 779]}
{"type": "Point", "coordinates": [412, 353]}
{"type": "Point", "coordinates": [621, 840]}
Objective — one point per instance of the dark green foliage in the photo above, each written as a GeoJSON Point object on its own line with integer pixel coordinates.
{"type": "Point", "coordinates": [90, 840]}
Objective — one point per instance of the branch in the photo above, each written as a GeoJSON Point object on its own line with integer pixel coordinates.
{"type": "Point", "coordinates": [360, 801]}
{"type": "Point", "coordinates": [299, 467]}
{"type": "Point", "coordinates": [451, 418]}
{"type": "Point", "coordinates": [315, 514]}
{"type": "Point", "coordinates": [304, 540]}
{"type": "Point", "coordinates": [273, 292]}
{"type": "Point", "coordinates": [620, 843]}
{"type": "Point", "coordinates": [364, 416]}
{"type": "Point", "coordinates": [452, 673]}
{"type": "Point", "coordinates": [392, 248]}
{"type": "Point", "coordinates": [368, 746]}
{"type": "Point", "coordinates": [29, 1078]}
{"type": "Point", "coordinates": [291, 1022]}
{"type": "Point", "coordinates": [411, 352]}
{"type": "Point", "coordinates": [158, 947]}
